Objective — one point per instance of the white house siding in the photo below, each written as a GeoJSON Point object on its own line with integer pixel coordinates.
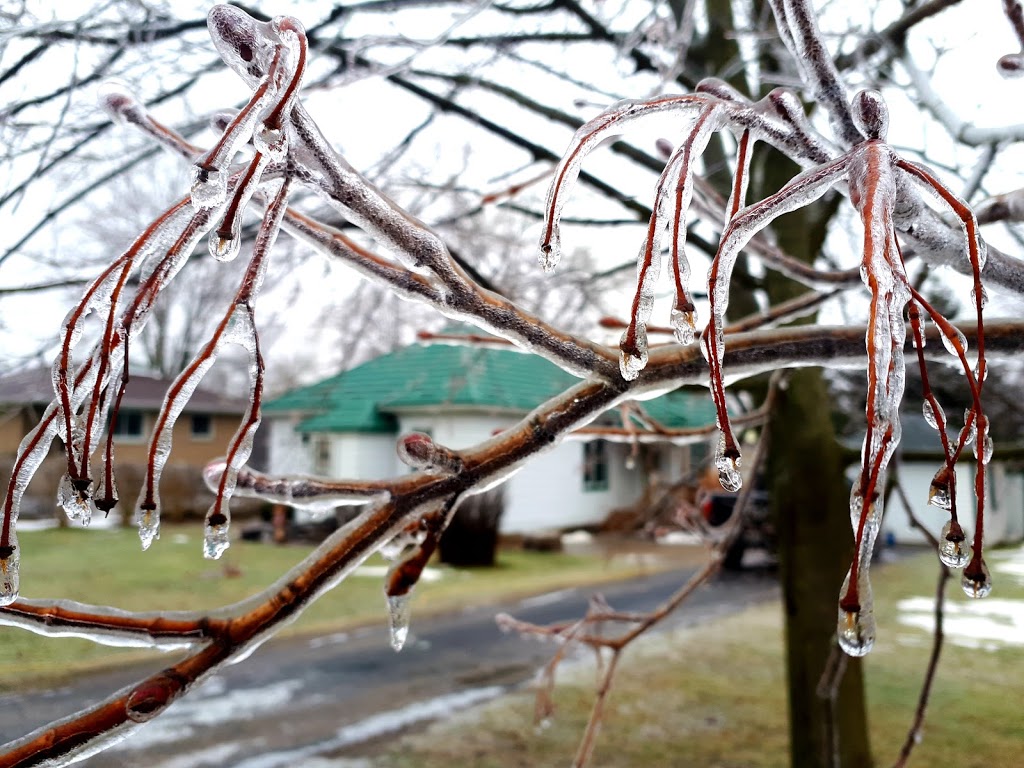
{"type": "Point", "coordinates": [287, 454]}
{"type": "Point", "coordinates": [362, 456]}
{"type": "Point", "coordinates": [548, 493]}
{"type": "Point", "coordinates": [1004, 514]}
{"type": "Point", "coordinates": [455, 430]}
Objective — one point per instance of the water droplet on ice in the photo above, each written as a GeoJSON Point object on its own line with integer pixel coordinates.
{"type": "Point", "coordinates": [550, 254]}
{"type": "Point", "coordinates": [224, 248]}
{"type": "Point", "coordinates": [728, 469]}
{"type": "Point", "coordinates": [939, 494]}
{"type": "Point", "coordinates": [215, 541]}
{"type": "Point", "coordinates": [633, 354]}
{"type": "Point", "coordinates": [398, 619]}
{"type": "Point", "coordinates": [270, 142]}
{"type": "Point", "coordinates": [856, 632]}
{"type": "Point", "coordinates": [933, 414]}
{"type": "Point", "coordinates": [684, 326]}
{"type": "Point", "coordinates": [950, 347]}
{"type": "Point", "coordinates": [209, 187]}
{"type": "Point", "coordinates": [149, 528]}
{"type": "Point", "coordinates": [954, 551]}
{"type": "Point", "coordinates": [983, 449]}
{"type": "Point", "coordinates": [77, 505]}
{"type": "Point", "coordinates": [631, 365]}
{"type": "Point", "coordinates": [970, 430]}
{"type": "Point", "coordinates": [977, 582]}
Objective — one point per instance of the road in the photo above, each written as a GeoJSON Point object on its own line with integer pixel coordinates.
{"type": "Point", "coordinates": [297, 698]}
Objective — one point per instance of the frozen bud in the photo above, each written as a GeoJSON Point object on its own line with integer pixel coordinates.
{"type": "Point", "coordinates": [1011, 65]}
{"type": "Point", "coordinates": [786, 105]}
{"type": "Point", "coordinates": [665, 148]}
{"type": "Point", "coordinates": [871, 114]}
{"type": "Point", "coordinates": [419, 451]}
{"type": "Point", "coordinates": [721, 90]}
{"type": "Point", "coordinates": [220, 121]}
{"type": "Point", "coordinates": [120, 103]}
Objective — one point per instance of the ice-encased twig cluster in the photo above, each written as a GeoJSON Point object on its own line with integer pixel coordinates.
{"type": "Point", "coordinates": [404, 516]}
{"type": "Point", "coordinates": [876, 179]}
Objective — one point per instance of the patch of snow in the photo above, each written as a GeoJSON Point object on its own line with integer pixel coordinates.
{"type": "Point", "coordinates": [680, 539]}
{"type": "Point", "coordinates": [215, 755]}
{"type": "Point", "coordinates": [576, 537]}
{"type": "Point", "coordinates": [548, 597]}
{"type": "Point", "coordinates": [986, 624]}
{"type": "Point", "coordinates": [375, 726]}
{"type": "Point", "coordinates": [211, 703]}
{"type": "Point", "coordinates": [335, 639]}
{"type": "Point", "coordinates": [380, 571]}
{"type": "Point", "coordinates": [1009, 562]}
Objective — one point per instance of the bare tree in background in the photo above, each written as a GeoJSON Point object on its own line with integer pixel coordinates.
{"type": "Point", "coordinates": [670, 48]}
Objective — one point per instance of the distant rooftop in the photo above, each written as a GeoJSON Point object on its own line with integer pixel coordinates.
{"type": "Point", "coordinates": [442, 376]}
{"type": "Point", "coordinates": [35, 387]}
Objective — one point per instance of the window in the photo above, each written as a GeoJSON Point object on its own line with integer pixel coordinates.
{"type": "Point", "coordinates": [595, 466]}
{"type": "Point", "coordinates": [128, 425]}
{"type": "Point", "coordinates": [202, 426]}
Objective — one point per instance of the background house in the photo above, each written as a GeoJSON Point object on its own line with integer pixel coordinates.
{"type": "Point", "coordinates": [920, 457]}
{"type": "Point", "coordinates": [200, 434]}
{"type": "Point", "coordinates": [346, 426]}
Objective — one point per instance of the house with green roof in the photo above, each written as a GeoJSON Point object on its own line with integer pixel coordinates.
{"type": "Point", "coordinates": [347, 425]}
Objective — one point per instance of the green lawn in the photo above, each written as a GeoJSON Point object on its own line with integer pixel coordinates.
{"type": "Point", "coordinates": [712, 696]}
{"type": "Point", "coordinates": [108, 567]}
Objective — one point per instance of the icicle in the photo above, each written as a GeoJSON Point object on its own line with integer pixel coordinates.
{"type": "Point", "coordinates": [954, 551]}
{"type": "Point", "coordinates": [728, 468]}
{"type": "Point", "coordinates": [684, 325]}
{"type": "Point", "coordinates": [148, 519]}
{"type": "Point", "coordinates": [224, 248]}
{"type": "Point", "coordinates": [215, 537]}
{"type": "Point", "coordinates": [9, 571]}
{"type": "Point", "coordinates": [633, 356]}
{"type": "Point", "coordinates": [856, 623]}
{"type": "Point", "coordinates": [77, 504]}
{"type": "Point", "coordinates": [977, 581]}
{"type": "Point", "coordinates": [398, 619]}
{"type": "Point", "coordinates": [855, 630]}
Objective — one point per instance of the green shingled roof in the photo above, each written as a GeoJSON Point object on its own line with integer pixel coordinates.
{"type": "Point", "coordinates": [437, 375]}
